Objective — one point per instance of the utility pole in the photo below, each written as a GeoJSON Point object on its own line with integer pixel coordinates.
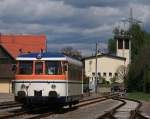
{"type": "Point", "coordinates": [96, 53]}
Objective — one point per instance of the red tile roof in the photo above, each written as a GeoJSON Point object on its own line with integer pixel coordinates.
{"type": "Point", "coordinates": [15, 44]}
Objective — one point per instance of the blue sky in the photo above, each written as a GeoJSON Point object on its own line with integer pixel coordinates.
{"type": "Point", "coordinates": [75, 23]}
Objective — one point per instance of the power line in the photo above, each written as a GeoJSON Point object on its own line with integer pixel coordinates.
{"type": "Point", "coordinates": [131, 20]}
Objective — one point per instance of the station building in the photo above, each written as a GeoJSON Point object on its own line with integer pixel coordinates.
{"type": "Point", "coordinates": [108, 64]}
{"type": "Point", "coordinates": [10, 47]}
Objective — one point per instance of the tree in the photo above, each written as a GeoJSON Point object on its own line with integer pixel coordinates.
{"type": "Point", "coordinates": [137, 40]}
{"type": "Point", "coordinates": [113, 79]}
{"type": "Point", "coordinates": [111, 46]}
{"type": "Point", "coordinates": [69, 51]}
{"type": "Point", "coordinates": [122, 72]}
{"type": "Point", "coordinates": [139, 74]}
{"type": "Point", "coordinates": [140, 50]}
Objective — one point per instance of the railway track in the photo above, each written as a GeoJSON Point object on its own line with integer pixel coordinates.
{"type": "Point", "coordinates": [10, 105]}
{"type": "Point", "coordinates": [129, 109]}
{"type": "Point", "coordinates": [82, 103]}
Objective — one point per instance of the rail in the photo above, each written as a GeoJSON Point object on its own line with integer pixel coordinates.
{"type": "Point", "coordinates": [134, 114]}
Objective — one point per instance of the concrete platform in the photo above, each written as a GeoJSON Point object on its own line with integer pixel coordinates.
{"type": "Point", "coordinates": [5, 97]}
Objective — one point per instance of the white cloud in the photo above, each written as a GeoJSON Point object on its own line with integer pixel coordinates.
{"type": "Point", "coordinates": [104, 11]}
{"type": "Point", "coordinates": [34, 9]}
{"type": "Point", "coordinates": [141, 11]}
{"type": "Point", "coordinates": [85, 49]}
{"type": "Point", "coordinates": [99, 29]}
{"type": "Point", "coordinates": [61, 18]}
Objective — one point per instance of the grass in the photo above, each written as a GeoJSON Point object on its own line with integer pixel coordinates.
{"type": "Point", "coordinates": [139, 96]}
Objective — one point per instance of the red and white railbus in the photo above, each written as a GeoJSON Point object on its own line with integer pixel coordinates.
{"type": "Point", "coordinates": [46, 78]}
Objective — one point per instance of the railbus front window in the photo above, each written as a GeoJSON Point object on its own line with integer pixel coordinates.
{"type": "Point", "coordinates": [39, 68]}
{"type": "Point", "coordinates": [25, 67]}
{"type": "Point", "coordinates": [53, 67]}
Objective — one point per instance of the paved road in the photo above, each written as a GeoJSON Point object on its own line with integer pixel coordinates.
{"type": "Point", "coordinates": [90, 112]}
{"type": "Point", "coordinates": [145, 109]}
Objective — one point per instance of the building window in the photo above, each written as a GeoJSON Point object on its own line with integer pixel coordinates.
{"type": "Point", "coordinates": [99, 74]}
{"type": "Point", "coordinates": [116, 74]}
{"type": "Point", "coordinates": [127, 44]}
{"type": "Point", "coordinates": [93, 73]}
{"type": "Point", "coordinates": [120, 44]}
{"type": "Point", "coordinates": [110, 74]}
{"type": "Point", "coordinates": [104, 74]}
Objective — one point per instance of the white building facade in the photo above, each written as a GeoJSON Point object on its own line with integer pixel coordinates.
{"type": "Point", "coordinates": [107, 66]}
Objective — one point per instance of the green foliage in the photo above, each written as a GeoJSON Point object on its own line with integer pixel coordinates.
{"type": "Point", "coordinates": [113, 80]}
{"type": "Point", "coordinates": [138, 77]}
{"type": "Point", "coordinates": [111, 46]}
{"type": "Point", "coordinates": [139, 96]}
{"type": "Point", "coordinates": [137, 40]}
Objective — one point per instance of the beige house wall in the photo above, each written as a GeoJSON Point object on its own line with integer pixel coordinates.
{"type": "Point", "coordinates": [104, 65]}
{"type": "Point", "coordinates": [124, 53]}
{"type": "Point", "coordinates": [5, 86]}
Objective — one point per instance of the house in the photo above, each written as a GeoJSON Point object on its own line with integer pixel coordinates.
{"type": "Point", "coordinates": [10, 47]}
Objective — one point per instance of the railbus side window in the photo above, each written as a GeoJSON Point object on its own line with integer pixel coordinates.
{"type": "Point", "coordinates": [75, 72]}
{"type": "Point", "coordinates": [53, 67]}
{"type": "Point", "coordinates": [39, 68]}
{"type": "Point", "coordinates": [25, 67]}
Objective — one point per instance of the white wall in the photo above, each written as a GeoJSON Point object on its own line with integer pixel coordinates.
{"type": "Point", "coordinates": [104, 65]}
{"type": "Point", "coordinates": [126, 53]}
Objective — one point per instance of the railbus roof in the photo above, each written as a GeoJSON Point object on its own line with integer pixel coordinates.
{"type": "Point", "coordinates": [48, 57]}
